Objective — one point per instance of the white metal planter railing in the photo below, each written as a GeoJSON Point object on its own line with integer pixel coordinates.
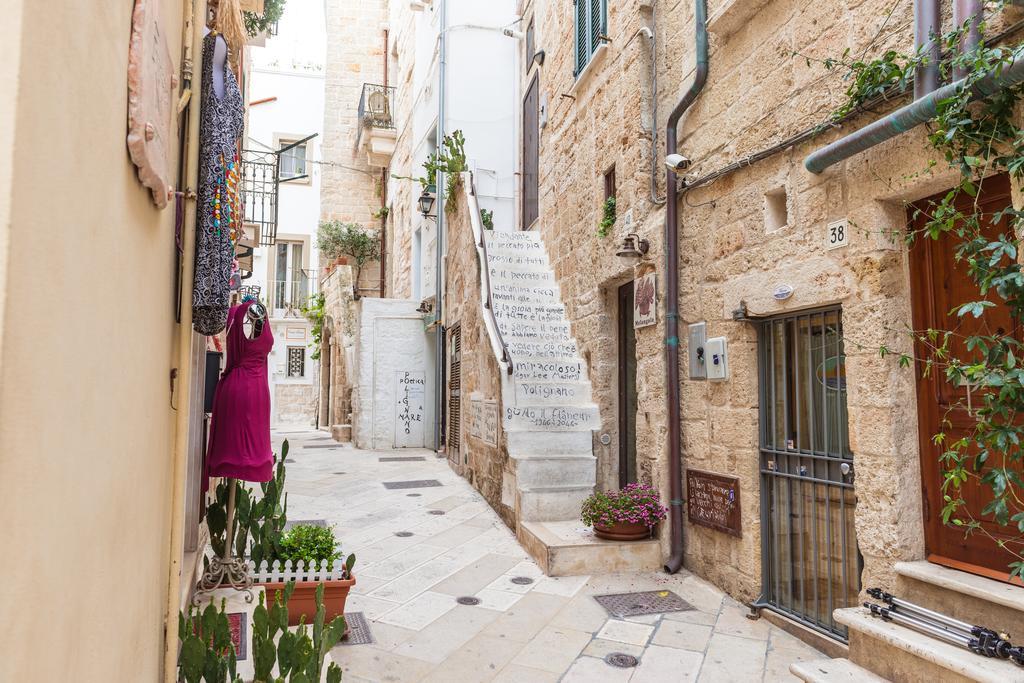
{"type": "Point", "coordinates": [282, 571]}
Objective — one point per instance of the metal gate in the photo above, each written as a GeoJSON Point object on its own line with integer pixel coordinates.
{"type": "Point", "coordinates": [810, 564]}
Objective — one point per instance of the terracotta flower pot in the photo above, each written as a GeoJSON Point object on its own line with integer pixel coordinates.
{"type": "Point", "coordinates": [622, 531]}
{"type": "Point", "coordinates": [303, 600]}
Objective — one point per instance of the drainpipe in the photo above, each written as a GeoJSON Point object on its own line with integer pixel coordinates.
{"type": "Point", "coordinates": [964, 11]}
{"type": "Point", "coordinates": [192, 42]}
{"type": "Point", "coordinates": [912, 115]}
{"type": "Point", "coordinates": [442, 61]}
{"type": "Point", "coordinates": [927, 28]}
{"type": "Point", "coordinates": [700, 76]}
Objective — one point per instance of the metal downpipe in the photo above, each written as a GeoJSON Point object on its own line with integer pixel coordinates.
{"type": "Point", "coordinates": [927, 29]}
{"type": "Point", "coordinates": [912, 115]}
{"type": "Point", "coordinates": [964, 11]}
{"type": "Point", "coordinates": [700, 76]}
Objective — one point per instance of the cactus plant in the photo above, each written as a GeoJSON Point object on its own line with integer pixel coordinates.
{"type": "Point", "coordinates": [207, 651]}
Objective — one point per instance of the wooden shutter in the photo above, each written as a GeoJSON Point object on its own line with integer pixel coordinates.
{"type": "Point", "coordinates": [582, 52]}
{"type": "Point", "coordinates": [455, 390]}
{"type": "Point", "coordinates": [531, 154]}
{"type": "Point", "coordinates": [596, 25]}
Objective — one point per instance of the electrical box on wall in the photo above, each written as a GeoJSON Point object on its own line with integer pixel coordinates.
{"type": "Point", "coordinates": [715, 359]}
{"type": "Point", "coordinates": [695, 350]}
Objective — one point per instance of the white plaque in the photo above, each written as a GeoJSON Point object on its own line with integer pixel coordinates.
{"type": "Point", "coordinates": [837, 234]}
{"type": "Point", "coordinates": [645, 301]}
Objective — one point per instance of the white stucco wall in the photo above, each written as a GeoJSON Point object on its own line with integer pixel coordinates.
{"type": "Point", "coordinates": [391, 342]}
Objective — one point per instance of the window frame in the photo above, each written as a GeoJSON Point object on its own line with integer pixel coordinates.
{"type": "Point", "coordinates": [581, 58]}
{"type": "Point", "coordinates": [285, 139]}
{"type": "Point", "coordinates": [288, 362]}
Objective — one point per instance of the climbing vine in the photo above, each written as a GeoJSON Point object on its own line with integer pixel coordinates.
{"type": "Point", "coordinates": [979, 138]}
{"type": "Point", "coordinates": [450, 159]}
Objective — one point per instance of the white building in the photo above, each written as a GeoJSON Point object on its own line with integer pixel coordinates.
{"type": "Point", "coordinates": [286, 105]}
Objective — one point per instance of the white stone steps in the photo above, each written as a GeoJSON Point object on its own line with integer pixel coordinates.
{"type": "Point", "coordinates": [947, 661]}
{"type": "Point", "coordinates": [542, 349]}
{"type": "Point", "coordinates": [506, 293]}
{"type": "Point", "coordinates": [547, 443]}
{"type": "Point", "coordinates": [543, 418]}
{"type": "Point", "coordinates": [566, 548]}
{"type": "Point", "coordinates": [525, 278]}
{"type": "Point", "coordinates": [532, 312]}
{"type": "Point", "coordinates": [535, 262]}
{"type": "Point", "coordinates": [553, 393]}
{"type": "Point", "coordinates": [532, 368]}
{"type": "Point", "coordinates": [537, 505]}
{"type": "Point", "coordinates": [546, 472]}
{"type": "Point", "coordinates": [832, 671]}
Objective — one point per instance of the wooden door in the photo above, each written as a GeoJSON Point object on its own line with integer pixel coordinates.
{"type": "Point", "coordinates": [940, 284]}
{"type": "Point", "coordinates": [531, 154]}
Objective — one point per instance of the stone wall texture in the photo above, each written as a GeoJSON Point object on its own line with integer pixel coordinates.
{"type": "Point", "coordinates": [761, 89]}
{"type": "Point", "coordinates": [350, 189]}
{"type": "Point", "coordinates": [484, 464]}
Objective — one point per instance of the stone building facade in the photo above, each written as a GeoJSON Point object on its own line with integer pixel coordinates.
{"type": "Point", "coordinates": [753, 247]}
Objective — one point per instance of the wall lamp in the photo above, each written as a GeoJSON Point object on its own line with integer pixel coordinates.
{"type": "Point", "coordinates": [426, 202]}
{"type": "Point", "coordinates": [426, 306]}
{"type": "Point", "coordinates": [539, 56]}
{"type": "Point", "coordinates": [633, 247]}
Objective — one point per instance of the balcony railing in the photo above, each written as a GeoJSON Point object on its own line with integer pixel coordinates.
{"type": "Point", "coordinates": [287, 298]}
{"type": "Point", "coordinates": [376, 108]}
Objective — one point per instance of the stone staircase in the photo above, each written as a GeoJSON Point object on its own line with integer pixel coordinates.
{"type": "Point", "coordinates": [896, 653]}
{"type": "Point", "coordinates": [548, 413]}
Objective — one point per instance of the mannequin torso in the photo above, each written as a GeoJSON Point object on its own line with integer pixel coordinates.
{"type": "Point", "coordinates": [220, 60]}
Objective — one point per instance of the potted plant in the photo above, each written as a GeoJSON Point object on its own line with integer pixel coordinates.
{"type": "Point", "coordinates": [627, 515]}
{"type": "Point", "coordinates": [312, 546]}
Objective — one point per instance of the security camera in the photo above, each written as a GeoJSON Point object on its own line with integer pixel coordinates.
{"type": "Point", "coordinates": [512, 33]}
{"type": "Point", "coordinates": [677, 162]}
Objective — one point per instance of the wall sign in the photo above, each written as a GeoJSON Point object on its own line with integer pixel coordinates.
{"type": "Point", "coordinates": [409, 392]}
{"type": "Point", "coordinates": [837, 234]}
{"type": "Point", "coordinates": [296, 333]}
{"type": "Point", "coordinates": [713, 500]}
{"type": "Point", "coordinates": [483, 420]}
{"type": "Point", "coordinates": [645, 309]}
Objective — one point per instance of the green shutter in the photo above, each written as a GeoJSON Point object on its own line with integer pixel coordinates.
{"type": "Point", "coordinates": [596, 25]}
{"type": "Point", "coordinates": [580, 20]}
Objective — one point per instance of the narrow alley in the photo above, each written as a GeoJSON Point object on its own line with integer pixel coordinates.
{"type": "Point", "coordinates": [431, 541]}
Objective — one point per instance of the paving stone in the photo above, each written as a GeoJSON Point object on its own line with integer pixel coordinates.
{"type": "Point", "coordinates": [553, 649]}
{"type": "Point", "coordinates": [479, 659]}
{"type": "Point", "coordinates": [472, 579]}
{"type": "Point", "coordinates": [447, 633]}
{"type": "Point", "coordinates": [498, 600]}
{"type": "Point", "coordinates": [514, 673]}
{"type": "Point", "coordinates": [589, 669]}
{"type": "Point", "coordinates": [420, 611]}
{"type": "Point", "coordinates": [681, 635]}
{"type": "Point", "coordinates": [626, 632]}
{"type": "Point", "coordinates": [692, 617]}
{"type": "Point", "coordinates": [377, 665]}
{"type": "Point", "coordinates": [599, 647]}
{"type": "Point", "coordinates": [732, 658]}
{"type": "Point", "coordinates": [662, 664]}
{"type": "Point", "coordinates": [582, 613]}
{"type": "Point", "coordinates": [566, 586]}
{"type": "Point", "coordinates": [733, 621]}
{"type": "Point", "coordinates": [526, 618]}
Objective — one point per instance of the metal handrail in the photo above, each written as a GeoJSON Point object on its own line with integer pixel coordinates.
{"type": "Point", "coordinates": [506, 355]}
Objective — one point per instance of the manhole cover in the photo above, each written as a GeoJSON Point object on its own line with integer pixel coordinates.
{"type": "Point", "coordinates": [635, 604]}
{"type": "Point", "coordinates": [521, 580]}
{"type": "Point", "coordinates": [436, 512]}
{"type": "Point", "coordinates": [358, 630]}
{"type": "Point", "coordinates": [414, 495]}
{"type": "Point", "coordinates": [403, 534]}
{"type": "Point", "coordinates": [403, 459]}
{"type": "Point", "coordinates": [467, 600]}
{"type": "Point", "coordinates": [339, 473]}
{"type": "Point", "coordinates": [620, 660]}
{"type": "Point", "coordinates": [414, 484]}
{"type": "Point", "coordinates": [288, 460]}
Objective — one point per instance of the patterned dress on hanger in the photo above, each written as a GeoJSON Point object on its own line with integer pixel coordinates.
{"type": "Point", "coordinates": [220, 129]}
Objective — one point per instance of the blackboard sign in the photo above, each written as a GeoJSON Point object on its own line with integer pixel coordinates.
{"type": "Point", "coordinates": [713, 500]}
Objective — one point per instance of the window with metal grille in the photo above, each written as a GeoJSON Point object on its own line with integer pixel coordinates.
{"type": "Point", "coordinates": [810, 561]}
{"type": "Point", "coordinates": [455, 389]}
{"type": "Point", "coordinates": [296, 361]}
{"type": "Point", "coordinates": [591, 19]}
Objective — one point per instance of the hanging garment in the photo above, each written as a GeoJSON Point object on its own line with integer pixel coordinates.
{"type": "Point", "coordinates": [217, 205]}
{"type": "Point", "coordinates": [240, 427]}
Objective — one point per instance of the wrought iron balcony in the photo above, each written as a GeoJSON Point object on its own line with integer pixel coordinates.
{"type": "Point", "coordinates": [376, 133]}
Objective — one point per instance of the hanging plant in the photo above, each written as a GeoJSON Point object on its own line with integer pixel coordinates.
{"type": "Point", "coordinates": [607, 217]}
{"type": "Point", "coordinates": [450, 159]}
{"type": "Point", "coordinates": [487, 218]}
{"type": "Point", "coordinates": [314, 313]}
{"type": "Point", "coordinates": [256, 24]}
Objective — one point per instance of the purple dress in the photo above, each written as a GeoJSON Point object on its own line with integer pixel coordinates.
{"type": "Point", "coordinates": [240, 427]}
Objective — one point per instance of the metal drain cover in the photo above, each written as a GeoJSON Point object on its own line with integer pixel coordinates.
{"type": "Point", "coordinates": [620, 660]}
{"type": "Point", "coordinates": [358, 630]}
{"type": "Point", "coordinates": [339, 473]}
{"type": "Point", "coordinates": [521, 580]}
{"type": "Point", "coordinates": [414, 495]}
{"type": "Point", "coordinates": [635, 604]}
{"type": "Point", "coordinates": [403, 534]}
{"type": "Point", "coordinates": [468, 600]}
{"type": "Point", "coordinates": [435, 512]}
{"type": "Point", "coordinates": [414, 484]}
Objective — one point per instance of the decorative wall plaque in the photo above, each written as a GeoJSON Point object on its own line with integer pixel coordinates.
{"type": "Point", "coordinates": [410, 389]}
{"type": "Point", "coordinates": [645, 308]}
{"type": "Point", "coordinates": [151, 86]}
{"type": "Point", "coordinates": [713, 500]}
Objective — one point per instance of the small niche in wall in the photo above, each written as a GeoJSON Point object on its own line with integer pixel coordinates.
{"type": "Point", "coordinates": [776, 215]}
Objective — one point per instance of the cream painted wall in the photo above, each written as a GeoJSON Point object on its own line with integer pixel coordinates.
{"type": "Point", "coordinates": [87, 347]}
